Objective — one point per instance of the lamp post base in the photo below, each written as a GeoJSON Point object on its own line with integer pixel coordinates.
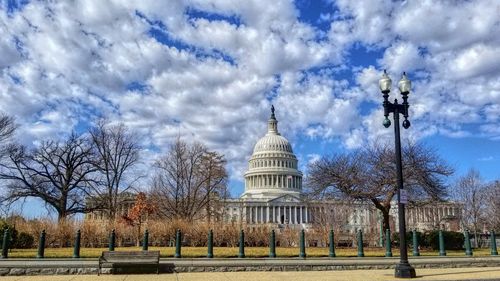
{"type": "Point", "coordinates": [404, 270]}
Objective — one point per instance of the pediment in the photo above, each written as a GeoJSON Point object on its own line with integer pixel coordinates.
{"type": "Point", "coordinates": [287, 198]}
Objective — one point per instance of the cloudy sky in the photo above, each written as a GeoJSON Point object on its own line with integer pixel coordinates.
{"type": "Point", "coordinates": [209, 70]}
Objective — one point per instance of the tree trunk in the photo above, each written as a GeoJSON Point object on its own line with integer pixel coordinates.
{"type": "Point", "coordinates": [384, 208]}
{"type": "Point", "coordinates": [386, 219]}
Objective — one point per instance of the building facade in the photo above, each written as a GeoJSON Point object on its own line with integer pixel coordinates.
{"type": "Point", "coordinates": [274, 198]}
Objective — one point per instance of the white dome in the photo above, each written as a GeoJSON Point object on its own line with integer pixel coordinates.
{"type": "Point", "coordinates": [272, 169]}
{"type": "Point", "coordinates": [272, 142]}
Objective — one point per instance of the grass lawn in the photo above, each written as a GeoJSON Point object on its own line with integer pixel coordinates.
{"type": "Point", "coordinates": [228, 252]}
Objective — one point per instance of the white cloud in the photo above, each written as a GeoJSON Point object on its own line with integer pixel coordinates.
{"type": "Point", "coordinates": [486, 158]}
{"type": "Point", "coordinates": [66, 63]}
{"type": "Point", "coordinates": [401, 56]}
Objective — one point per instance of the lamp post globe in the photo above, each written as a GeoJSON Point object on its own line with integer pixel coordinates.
{"type": "Point", "coordinates": [403, 268]}
{"type": "Point", "coordinates": [404, 84]}
{"type": "Point", "coordinates": [385, 83]}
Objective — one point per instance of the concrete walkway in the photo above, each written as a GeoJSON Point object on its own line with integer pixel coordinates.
{"type": "Point", "coordinates": [487, 273]}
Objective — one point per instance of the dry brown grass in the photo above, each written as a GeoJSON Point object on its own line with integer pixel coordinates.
{"type": "Point", "coordinates": [228, 252]}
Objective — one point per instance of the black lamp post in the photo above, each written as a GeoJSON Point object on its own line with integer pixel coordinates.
{"type": "Point", "coordinates": [403, 269]}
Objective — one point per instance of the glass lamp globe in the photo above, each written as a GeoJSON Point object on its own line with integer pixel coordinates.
{"type": "Point", "coordinates": [404, 84]}
{"type": "Point", "coordinates": [385, 82]}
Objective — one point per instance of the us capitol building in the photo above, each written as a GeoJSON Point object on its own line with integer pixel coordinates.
{"type": "Point", "coordinates": [273, 196]}
{"type": "Point", "coordinates": [273, 184]}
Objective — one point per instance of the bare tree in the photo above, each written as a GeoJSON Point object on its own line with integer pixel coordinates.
{"type": "Point", "coordinates": [370, 174]}
{"type": "Point", "coordinates": [213, 172]}
{"type": "Point", "coordinates": [332, 215]}
{"type": "Point", "coordinates": [493, 206]}
{"type": "Point", "coordinates": [116, 152]}
{"type": "Point", "coordinates": [56, 172]}
{"type": "Point", "coordinates": [187, 180]}
{"type": "Point", "coordinates": [7, 129]}
{"type": "Point", "coordinates": [472, 192]}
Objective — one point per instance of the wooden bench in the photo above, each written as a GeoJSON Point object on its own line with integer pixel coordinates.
{"type": "Point", "coordinates": [129, 258]}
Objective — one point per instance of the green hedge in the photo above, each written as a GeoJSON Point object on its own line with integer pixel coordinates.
{"type": "Point", "coordinates": [452, 240]}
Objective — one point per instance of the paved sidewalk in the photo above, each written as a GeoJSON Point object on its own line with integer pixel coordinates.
{"type": "Point", "coordinates": [485, 273]}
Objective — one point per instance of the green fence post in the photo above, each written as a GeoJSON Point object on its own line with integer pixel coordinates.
{"type": "Point", "coordinates": [272, 245]}
{"type": "Point", "coordinates": [178, 244]}
{"type": "Point", "coordinates": [468, 246]}
{"type": "Point", "coordinates": [5, 244]}
{"type": "Point", "coordinates": [112, 239]}
{"type": "Point", "coordinates": [388, 246]}
{"type": "Point", "coordinates": [210, 251]}
{"type": "Point", "coordinates": [493, 244]}
{"type": "Point", "coordinates": [76, 249]}
{"type": "Point", "coordinates": [145, 240]}
{"type": "Point", "coordinates": [41, 245]}
{"type": "Point", "coordinates": [381, 242]}
{"type": "Point", "coordinates": [241, 253]}
{"type": "Point", "coordinates": [302, 253]}
{"type": "Point", "coordinates": [331, 253]}
{"type": "Point", "coordinates": [361, 252]}
{"type": "Point", "coordinates": [416, 251]}
{"type": "Point", "coordinates": [442, 251]}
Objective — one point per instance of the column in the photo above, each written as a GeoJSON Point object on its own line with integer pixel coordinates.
{"type": "Point", "coordinates": [279, 214]}
{"type": "Point", "coordinates": [296, 217]}
{"type": "Point", "coordinates": [267, 214]}
{"type": "Point", "coordinates": [261, 214]}
{"type": "Point", "coordinates": [301, 220]}
{"type": "Point", "coordinates": [284, 214]}
{"type": "Point", "coordinates": [307, 215]}
{"type": "Point", "coordinates": [290, 212]}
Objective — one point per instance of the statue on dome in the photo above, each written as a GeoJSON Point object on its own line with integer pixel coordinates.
{"type": "Point", "coordinates": [272, 109]}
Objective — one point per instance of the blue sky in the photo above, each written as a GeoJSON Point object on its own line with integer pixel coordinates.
{"type": "Point", "coordinates": [209, 71]}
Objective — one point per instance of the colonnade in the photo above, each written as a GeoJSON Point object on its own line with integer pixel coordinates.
{"type": "Point", "coordinates": [287, 214]}
{"type": "Point", "coordinates": [430, 213]}
{"type": "Point", "coordinates": [274, 181]}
